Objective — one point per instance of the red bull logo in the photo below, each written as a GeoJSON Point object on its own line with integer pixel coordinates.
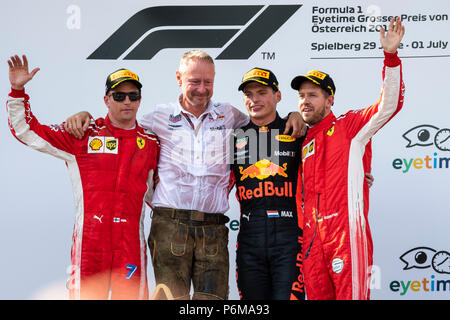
{"type": "Point", "coordinates": [262, 170]}
{"type": "Point", "coordinates": [266, 189]}
{"type": "Point", "coordinates": [298, 287]}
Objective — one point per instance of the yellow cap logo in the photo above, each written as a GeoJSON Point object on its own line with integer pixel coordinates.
{"type": "Point", "coordinates": [316, 74]}
{"type": "Point", "coordinates": [256, 73]}
{"type": "Point", "coordinates": [123, 74]}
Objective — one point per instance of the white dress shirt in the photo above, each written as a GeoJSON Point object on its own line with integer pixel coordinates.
{"type": "Point", "coordinates": [193, 167]}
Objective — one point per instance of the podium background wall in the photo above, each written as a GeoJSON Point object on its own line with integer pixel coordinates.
{"type": "Point", "coordinates": [409, 212]}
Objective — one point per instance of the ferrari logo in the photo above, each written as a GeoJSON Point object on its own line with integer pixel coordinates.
{"type": "Point", "coordinates": [140, 142]}
{"type": "Point", "coordinates": [330, 131]}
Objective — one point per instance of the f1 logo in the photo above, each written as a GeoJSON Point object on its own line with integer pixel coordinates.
{"type": "Point", "coordinates": [239, 29]}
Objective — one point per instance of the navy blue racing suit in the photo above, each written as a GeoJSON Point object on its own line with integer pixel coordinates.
{"type": "Point", "coordinates": [265, 168]}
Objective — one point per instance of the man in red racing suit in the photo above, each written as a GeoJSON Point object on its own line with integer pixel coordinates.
{"type": "Point", "coordinates": [337, 247]}
{"type": "Point", "coordinates": [111, 170]}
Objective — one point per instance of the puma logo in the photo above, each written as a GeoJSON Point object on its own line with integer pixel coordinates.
{"type": "Point", "coordinates": [98, 218]}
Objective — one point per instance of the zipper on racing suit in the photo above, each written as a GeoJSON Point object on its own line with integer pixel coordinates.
{"type": "Point", "coordinates": [315, 227]}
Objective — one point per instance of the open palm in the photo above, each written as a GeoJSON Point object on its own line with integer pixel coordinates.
{"type": "Point", "coordinates": [390, 41]}
{"type": "Point", "coordinates": [18, 72]}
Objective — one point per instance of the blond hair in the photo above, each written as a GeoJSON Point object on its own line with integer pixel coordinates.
{"type": "Point", "coordinates": [191, 55]}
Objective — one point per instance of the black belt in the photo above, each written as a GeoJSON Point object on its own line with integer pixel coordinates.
{"type": "Point", "coordinates": [192, 215]}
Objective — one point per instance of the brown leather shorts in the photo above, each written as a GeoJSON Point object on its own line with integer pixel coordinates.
{"type": "Point", "coordinates": [190, 246]}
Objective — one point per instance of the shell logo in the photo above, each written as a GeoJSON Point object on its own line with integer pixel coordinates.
{"type": "Point", "coordinates": [96, 144]}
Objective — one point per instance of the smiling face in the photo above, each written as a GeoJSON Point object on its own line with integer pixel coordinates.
{"type": "Point", "coordinates": [197, 82]}
{"type": "Point", "coordinates": [314, 103]}
{"type": "Point", "coordinates": [122, 113]}
{"type": "Point", "coordinates": [261, 103]}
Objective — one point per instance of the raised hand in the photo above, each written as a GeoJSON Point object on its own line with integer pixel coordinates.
{"type": "Point", "coordinates": [390, 41]}
{"type": "Point", "coordinates": [18, 72]}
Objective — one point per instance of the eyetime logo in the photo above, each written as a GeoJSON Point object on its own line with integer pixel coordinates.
{"type": "Point", "coordinates": [424, 258]}
{"type": "Point", "coordinates": [426, 136]}
{"type": "Point", "coordinates": [239, 29]}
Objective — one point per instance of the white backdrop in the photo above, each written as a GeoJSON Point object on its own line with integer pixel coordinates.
{"type": "Point", "coordinates": [409, 212]}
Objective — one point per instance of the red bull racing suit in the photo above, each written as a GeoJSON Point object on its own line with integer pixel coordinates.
{"type": "Point", "coordinates": [265, 168]}
{"type": "Point", "coordinates": [335, 154]}
{"type": "Point", "coordinates": [112, 175]}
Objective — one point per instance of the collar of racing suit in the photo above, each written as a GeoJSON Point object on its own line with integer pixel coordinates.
{"type": "Point", "coordinates": [323, 124]}
{"type": "Point", "coordinates": [117, 132]}
{"type": "Point", "coordinates": [275, 124]}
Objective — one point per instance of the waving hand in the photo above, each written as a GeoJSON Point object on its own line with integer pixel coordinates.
{"type": "Point", "coordinates": [18, 72]}
{"type": "Point", "coordinates": [391, 40]}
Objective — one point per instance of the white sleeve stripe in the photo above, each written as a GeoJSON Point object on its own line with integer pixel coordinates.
{"type": "Point", "coordinates": [387, 106]}
{"type": "Point", "coordinates": [16, 114]}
